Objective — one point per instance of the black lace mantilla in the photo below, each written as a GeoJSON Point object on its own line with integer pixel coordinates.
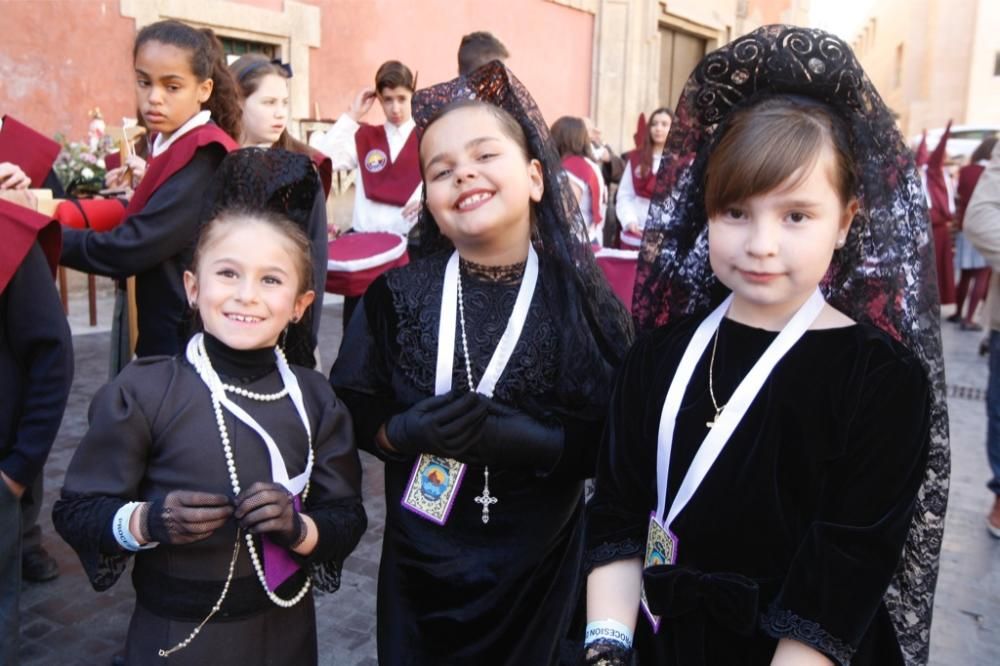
{"type": "Point", "coordinates": [779, 623]}
{"type": "Point", "coordinates": [416, 293]}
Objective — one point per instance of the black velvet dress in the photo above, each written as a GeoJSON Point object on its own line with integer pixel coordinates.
{"type": "Point", "coordinates": [153, 430]}
{"type": "Point", "coordinates": [810, 501]}
{"type": "Point", "coordinates": [505, 592]}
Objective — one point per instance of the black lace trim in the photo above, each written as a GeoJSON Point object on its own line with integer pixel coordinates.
{"type": "Point", "coordinates": [326, 576]}
{"type": "Point", "coordinates": [509, 274]}
{"type": "Point", "coordinates": [780, 623]}
{"type": "Point", "coordinates": [612, 552]}
{"type": "Point", "coordinates": [416, 294]}
{"type": "Point", "coordinates": [604, 652]}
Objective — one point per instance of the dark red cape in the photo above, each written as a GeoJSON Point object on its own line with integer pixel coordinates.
{"type": "Point", "coordinates": [177, 156]}
{"type": "Point", "coordinates": [19, 227]}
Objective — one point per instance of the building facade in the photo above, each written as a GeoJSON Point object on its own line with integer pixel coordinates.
{"type": "Point", "coordinates": [934, 60]}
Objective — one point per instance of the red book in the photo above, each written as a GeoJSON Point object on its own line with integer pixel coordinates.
{"type": "Point", "coordinates": [33, 152]}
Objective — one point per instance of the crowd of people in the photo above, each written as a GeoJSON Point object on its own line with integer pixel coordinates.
{"type": "Point", "coordinates": [764, 422]}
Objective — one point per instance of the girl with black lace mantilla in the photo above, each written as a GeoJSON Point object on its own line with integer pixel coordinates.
{"type": "Point", "coordinates": [228, 471]}
{"type": "Point", "coordinates": [480, 375]}
{"type": "Point", "coordinates": [772, 479]}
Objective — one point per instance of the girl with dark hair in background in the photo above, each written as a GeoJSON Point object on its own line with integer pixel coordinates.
{"type": "Point", "coordinates": [639, 178]}
{"type": "Point", "coordinates": [263, 85]}
{"type": "Point", "coordinates": [190, 104]}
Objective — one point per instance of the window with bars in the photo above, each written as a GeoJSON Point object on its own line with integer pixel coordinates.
{"type": "Point", "coordinates": [234, 48]}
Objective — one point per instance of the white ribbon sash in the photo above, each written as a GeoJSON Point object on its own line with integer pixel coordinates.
{"type": "Point", "coordinates": [446, 327]}
{"type": "Point", "coordinates": [734, 411]}
{"type": "Point", "coordinates": [279, 472]}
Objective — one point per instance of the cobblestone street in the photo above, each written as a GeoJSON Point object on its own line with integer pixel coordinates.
{"type": "Point", "coordinates": [65, 622]}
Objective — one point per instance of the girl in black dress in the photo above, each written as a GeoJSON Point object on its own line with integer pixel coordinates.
{"type": "Point", "coordinates": [480, 374]}
{"type": "Point", "coordinates": [228, 473]}
{"type": "Point", "coordinates": [763, 457]}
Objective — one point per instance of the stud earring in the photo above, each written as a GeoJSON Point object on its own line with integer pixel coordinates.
{"type": "Point", "coordinates": [840, 243]}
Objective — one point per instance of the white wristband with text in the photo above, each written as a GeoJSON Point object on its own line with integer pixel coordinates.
{"type": "Point", "coordinates": [120, 528]}
{"type": "Point", "coordinates": [609, 629]}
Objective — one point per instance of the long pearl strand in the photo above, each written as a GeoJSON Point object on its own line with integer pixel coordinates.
{"type": "Point", "coordinates": [208, 374]}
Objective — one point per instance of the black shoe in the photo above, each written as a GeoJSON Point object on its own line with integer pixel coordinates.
{"type": "Point", "coordinates": [37, 566]}
{"type": "Point", "coordinates": [955, 318]}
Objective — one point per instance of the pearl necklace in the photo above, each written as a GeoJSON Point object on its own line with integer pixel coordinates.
{"type": "Point", "coordinates": [203, 366]}
{"type": "Point", "coordinates": [485, 499]}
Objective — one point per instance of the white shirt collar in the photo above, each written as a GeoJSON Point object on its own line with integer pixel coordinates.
{"type": "Point", "coordinates": [197, 120]}
{"type": "Point", "coordinates": [401, 130]}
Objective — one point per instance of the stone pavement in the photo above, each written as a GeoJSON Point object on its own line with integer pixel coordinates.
{"type": "Point", "coordinates": [65, 622]}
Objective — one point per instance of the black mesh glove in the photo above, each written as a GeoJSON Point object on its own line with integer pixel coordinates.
{"type": "Point", "coordinates": [267, 508]}
{"type": "Point", "coordinates": [184, 516]}
{"type": "Point", "coordinates": [511, 438]}
{"type": "Point", "coordinates": [444, 425]}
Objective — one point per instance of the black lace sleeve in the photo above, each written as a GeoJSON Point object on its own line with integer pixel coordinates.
{"type": "Point", "coordinates": [84, 522]}
{"type": "Point", "coordinates": [341, 524]}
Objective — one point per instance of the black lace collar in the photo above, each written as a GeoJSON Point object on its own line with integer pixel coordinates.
{"type": "Point", "coordinates": [509, 274]}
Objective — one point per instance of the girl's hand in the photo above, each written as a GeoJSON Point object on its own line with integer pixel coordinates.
{"type": "Point", "coordinates": [362, 104]}
{"type": "Point", "coordinates": [633, 228]}
{"type": "Point", "coordinates": [12, 177]}
{"type": "Point", "coordinates": [115, 178]}
{"type": "Point", "coordinates": [267, 508]}
{"type": "Point", "coordinates": [183, 516]}
{"type": "Point", "coordinates": [138, 166]}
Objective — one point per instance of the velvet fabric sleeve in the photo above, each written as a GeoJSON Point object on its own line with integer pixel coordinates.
{"type": "Point", "coordinates": [362, 374]}
{"type": "Point", "coordinates": [618, 514]}
{"type": "Point", "coordinates": [334, 501]}
{"type": "Point", "coordinates": [38, 361]}
{"type": "Point", "coordinates": [106, 472]}
{"type": "Point", "coordinates": [167, 225]}
{"type": "Point", "coordinates": [842, 567]}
